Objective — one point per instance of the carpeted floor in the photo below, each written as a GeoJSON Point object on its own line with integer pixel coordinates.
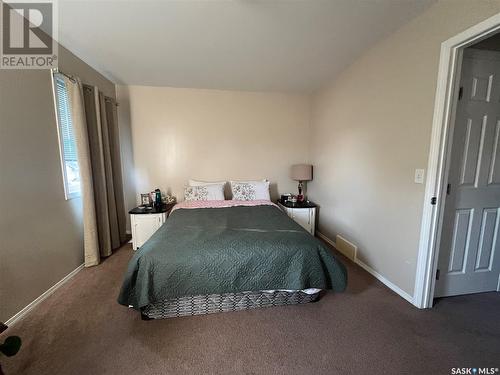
{"type": "Point", "coordinates": [81, 329]}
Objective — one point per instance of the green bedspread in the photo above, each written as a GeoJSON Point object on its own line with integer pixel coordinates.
{"type": "Point", "coordinates": [225, 250]}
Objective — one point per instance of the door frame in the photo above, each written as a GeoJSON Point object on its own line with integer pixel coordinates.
{"type": "Point", "coordinates": [450, 63]}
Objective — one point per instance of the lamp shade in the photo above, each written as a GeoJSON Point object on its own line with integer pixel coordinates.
{"type": "Point", "coordinates": [301, 172]}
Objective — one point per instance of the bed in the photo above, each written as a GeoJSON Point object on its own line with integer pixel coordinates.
{"type": "Point", "coordinates": [214, 256]}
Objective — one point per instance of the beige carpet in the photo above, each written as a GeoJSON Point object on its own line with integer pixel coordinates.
{"type": "Point", "coordinates": [81, 329]}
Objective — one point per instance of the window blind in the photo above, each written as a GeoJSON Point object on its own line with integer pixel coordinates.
{"type": "Point", "coordinates": [67, 142]}
{"type": "Point", "coordinates": [65, 125]}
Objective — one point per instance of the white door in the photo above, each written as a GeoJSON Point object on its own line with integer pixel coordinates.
{"type": "Point", "coordinates": [469, 260]}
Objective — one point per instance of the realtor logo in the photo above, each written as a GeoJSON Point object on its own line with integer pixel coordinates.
{"type": "Point", "coordinates": [28, 33]}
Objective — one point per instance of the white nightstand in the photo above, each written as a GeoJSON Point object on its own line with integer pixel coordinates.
{"type": "Point", "coordinates": [144, 223]}
{"type": "Point", "coordinates": [302, 213]}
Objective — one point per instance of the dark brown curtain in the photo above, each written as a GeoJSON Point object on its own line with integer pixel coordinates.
{"type": "Point", "coordinates": [106, 169]}
{"type": "Point", "coordinates": [116, 163]}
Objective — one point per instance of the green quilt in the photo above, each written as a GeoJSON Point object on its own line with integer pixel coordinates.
{"type": "Point", "coordinates": [225, 250]}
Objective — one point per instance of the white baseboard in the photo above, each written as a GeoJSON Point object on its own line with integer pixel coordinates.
{"type": "Point", "coordinates": [384, 281]}
{"type": "Point", "coordinates": [47, 293]}
{"type": "Point", "coordinates": [326, 239]}
{"type": "Point", "coordinates": [371, 271]}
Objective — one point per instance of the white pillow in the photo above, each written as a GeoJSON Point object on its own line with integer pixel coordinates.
{"type": "Point", "coordinates": [203, 183]}
{"type": "Point", "coordinates": [251, 181]}
{"type": "Point", "coordinates": [204, 193]}
{"type": "Point", "coordinates": [250, 190]}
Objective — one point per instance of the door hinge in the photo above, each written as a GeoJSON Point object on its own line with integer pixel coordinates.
{"type": "Point", "coordinates": [448, 189]}
{"type": "Point", "coordinates": [460, 93]}
{"type": "Point", "coordinates": [433, 201]}
{"type": "Point", "coordinates": [437, 274]}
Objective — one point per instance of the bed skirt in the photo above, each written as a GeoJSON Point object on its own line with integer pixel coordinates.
{"type": "Point", "coordinates": [215, 303]}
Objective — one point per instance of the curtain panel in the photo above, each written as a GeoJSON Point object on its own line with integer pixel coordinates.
{"type": "Point", "coordinates": [116, 165]}
{"type": "Point", "coordinates": [78, 119]}
{"type": "Point", "coordinates": [95, 127]}
{"type": "Point", "coordinates": [106, 169]}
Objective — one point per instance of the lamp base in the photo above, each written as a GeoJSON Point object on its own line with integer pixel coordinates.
{"type": "Point", "coordinates": [300, 197]}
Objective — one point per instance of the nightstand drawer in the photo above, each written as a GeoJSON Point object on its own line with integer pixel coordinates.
{"type": "Point", "coordinates": [145, 222]}
{"type": "Point", "coordinates": [144, 226]}
{"type": "Point", "coordinates": [304, 216]}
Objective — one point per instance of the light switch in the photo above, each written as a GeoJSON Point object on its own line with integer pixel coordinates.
{"type": "Point", "coordinates": [419, 176]}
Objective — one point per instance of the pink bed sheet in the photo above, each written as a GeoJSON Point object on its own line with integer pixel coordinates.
{"type": "Point", "coordinates": [221, 204]}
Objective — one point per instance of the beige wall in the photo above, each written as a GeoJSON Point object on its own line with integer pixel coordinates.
{"type": "Point", "coordinates": [371, 129]}
{"type": "Point", "coordinates": [41, 238]}
{"type": "Point", "coordinates": [180, 134]}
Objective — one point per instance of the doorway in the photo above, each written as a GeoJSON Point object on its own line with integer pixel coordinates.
{"type": "Point", "coordinates": [459, 249]}
{"type": "Point", "coordinates": [469, 253]}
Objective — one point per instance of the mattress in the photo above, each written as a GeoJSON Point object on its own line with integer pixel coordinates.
{"type": "Point", "coordinates": [216, 303]}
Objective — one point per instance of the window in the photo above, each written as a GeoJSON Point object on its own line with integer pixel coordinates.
{"type": "Point", "coordinates": [67, 144]}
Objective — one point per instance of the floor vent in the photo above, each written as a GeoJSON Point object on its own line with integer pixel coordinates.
{"type": "Point", "coordinates": [345, 247]}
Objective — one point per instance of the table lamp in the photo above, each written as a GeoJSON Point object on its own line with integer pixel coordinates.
{"type": "Point", "coordinates": [301, 173]}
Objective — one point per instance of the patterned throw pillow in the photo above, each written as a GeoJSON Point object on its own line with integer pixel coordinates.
{"type": "Point", "coordinates": [196, 193]}
{"type": "Point", "coordinates": [250, 190]}
{"type": "Point", "coordinates": [243, 191]}
{"type": "Point", "coordinates": [204, 193]}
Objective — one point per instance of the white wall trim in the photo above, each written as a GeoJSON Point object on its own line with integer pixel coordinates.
{"type": "Point", "coordinates": [328, 240]}
{"type": "Point", "coordinates": [46, 294]}
{"type": "Point", "coordinates": [449, 64]}
{"type": "Point", "coordinates": [396, 289]}
{"type": "Point", "coordinates": [371, 271]}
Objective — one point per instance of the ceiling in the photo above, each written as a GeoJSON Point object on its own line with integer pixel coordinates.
{"type": "Point", "coordinates": [289, 46]}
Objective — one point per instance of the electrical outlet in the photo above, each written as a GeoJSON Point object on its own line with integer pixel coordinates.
{"type": "Point", "coordinates": [419, 176]}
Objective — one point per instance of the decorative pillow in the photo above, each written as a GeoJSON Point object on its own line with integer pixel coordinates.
{"type": "Point", "coordinates": [204, 193]}
{"type": "Point", "coordinates": [250, 190]}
